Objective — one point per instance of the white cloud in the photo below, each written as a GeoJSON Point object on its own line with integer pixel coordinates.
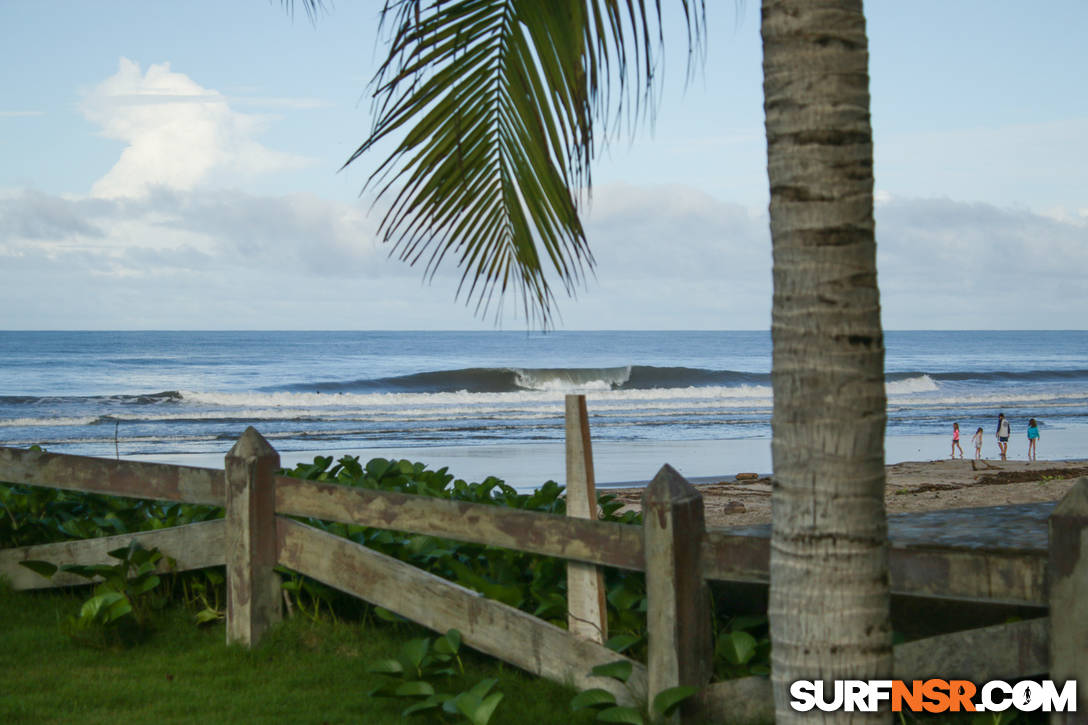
{"type": "Point", "coordinates": [1067, 216]}
{"type": "Point", "coordinates": [667, 258]}
{"type": "Point", "coordinates": [294, 104]}
{"type": "Point", "coordinates": [673, 257]}
{"type": "Point", "coordinates": [184, 230]}
{"type": "Point", "coordinates": [178, 134]}
{"type": "Point", "coordinates": [945, 264]}
{"type": "Point", "coordinates": [301, 231]}
{"type": "Point", "coordinates": [32, 215]}
{"type": "Point", "coordinates": [677, 230]}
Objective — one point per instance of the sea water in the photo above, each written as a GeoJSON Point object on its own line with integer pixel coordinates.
{"type": "Point", "coordinates": [491, 403]}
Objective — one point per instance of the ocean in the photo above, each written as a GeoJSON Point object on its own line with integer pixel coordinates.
{"type": "Point", "coordinates": [491, 403]}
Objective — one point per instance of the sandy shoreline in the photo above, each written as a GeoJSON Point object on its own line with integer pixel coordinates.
{"type": "Point", "coordinates": [911, 486]}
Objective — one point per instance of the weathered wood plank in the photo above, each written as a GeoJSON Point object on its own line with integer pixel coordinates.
{"type": "Point", "coordinates": [136, 479]}
{"type": "Point", "coordinates": [486, 625]}
{"type": "Point", "coordinates": [253, 587]}
{"type": "Point", "coordinates": [193, 546]}
{"type": "Point", "coordinates": [587, 613]}
{"type": "Point", "coordinates": [963, 574]}
{"type": "Point", "coordinates": [1002, 652]}
{"type": "Point", "coordinates": [595, 542]}
{"type": "Point", "coordinates": [1009, 528]}
{"type": "Point", "coordinates": [677, 614]}
{"type": "Point", "coordinates": [968, 575]}
{"type": "Point", "coordinates": [734, 557]}
{"type": "Point", "coordinates": [1068, 569]}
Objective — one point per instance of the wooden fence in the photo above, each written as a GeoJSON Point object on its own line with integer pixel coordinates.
{"type": "Point", "coordinates": [673, 547]}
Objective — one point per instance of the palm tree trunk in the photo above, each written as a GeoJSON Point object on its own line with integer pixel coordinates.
{"type": "Point", "coordinates": [829, 574]}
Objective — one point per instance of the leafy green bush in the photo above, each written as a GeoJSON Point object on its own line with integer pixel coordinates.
{"type": "Point", "coordinates": [742, 648]}
{"type": "Point", "coordinates": [535, 584]}
{"type": "Point", "coordinates": [411, 675]}
{"type": "Point", "coordinates": [608, 710]}
{"type": "Point", "coordinates": [204, 591]}
{"type": "Point", "coordinates": [120, 606]}
{"type": "Point", "coordinates": [34, 515]}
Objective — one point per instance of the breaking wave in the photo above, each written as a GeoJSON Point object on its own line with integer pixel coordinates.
{"type": "Point", "coordinates": [513, 379]}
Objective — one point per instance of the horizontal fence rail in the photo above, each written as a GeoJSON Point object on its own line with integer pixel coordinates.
{"type": "Point", "coordinates": [939, 571]}
{"type": "Point", "coordinates": [135, 479]}
{"type": "Point", "coordinates": [189, 547]}
{"type": "Point", "coordinates": [967, 574]}
{"type": "Point", "coordinates": [595, 542]}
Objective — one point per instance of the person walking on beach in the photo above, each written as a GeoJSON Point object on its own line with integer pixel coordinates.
{"type": "Point", "coordinates": [1033, 435]}
{"type": "Point", "coordinates": [977, 440]}
{"type": "Point", "coordinates": [956, 440]}
{"type": "Point", "coordinates": [1004, 430]}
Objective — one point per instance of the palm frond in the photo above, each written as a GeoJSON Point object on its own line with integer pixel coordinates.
{"type": "Point", "coordinates": [491, 105]}
{"type": "Point", "coordinates": [313, 8]}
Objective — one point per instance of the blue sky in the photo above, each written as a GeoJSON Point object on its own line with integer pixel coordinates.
{"type": "Point", "coordinates": [174, 166]}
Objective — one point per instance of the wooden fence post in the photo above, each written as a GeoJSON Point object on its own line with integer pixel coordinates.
{"type": "Point", "coordinates": [678, 616]}
{"type": "Point", "coordinates": [587, 613]}
{"type": "Point", "coordinates": [253, 587]}
{"type": "Point", "coordinates": [1068, 576]}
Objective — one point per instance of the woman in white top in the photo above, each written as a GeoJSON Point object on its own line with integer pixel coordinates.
{"type": "Point", "coordinates": [1004, 430]}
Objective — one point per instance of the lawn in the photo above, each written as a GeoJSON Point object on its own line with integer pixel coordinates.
{"type": "Point", "coordinates": [303, 672]}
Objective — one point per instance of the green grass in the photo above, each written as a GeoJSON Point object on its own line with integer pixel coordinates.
{"type": "Point", "coordinates": [303, 672]}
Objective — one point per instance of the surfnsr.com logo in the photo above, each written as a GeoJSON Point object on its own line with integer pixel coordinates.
{"type": "Point", "coordinates": [933, 695]}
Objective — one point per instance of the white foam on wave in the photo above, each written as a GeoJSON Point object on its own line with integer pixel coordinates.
{"type": "Point", "coordinates": [134, 439]}
{"type": "Point", "coordinates": [1049, 399]}
{"type": "Point", "coordinates": [34, 422]}
{"type": "Point", "coordinates": [523, 414]}
{"type": "Point", "coordinates": [314, 401]}
{"type": "Point", "coordinates": [918, 393]}
{"type": "Point", "coordinates": [376, 407]}
{"type": "Point", "coordinates": [910, 386]}
{"type": "Point", "coordinates": [569, 380]}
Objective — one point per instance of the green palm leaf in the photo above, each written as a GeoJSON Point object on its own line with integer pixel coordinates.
{"type": "Point", "coordinates": [491, 106]}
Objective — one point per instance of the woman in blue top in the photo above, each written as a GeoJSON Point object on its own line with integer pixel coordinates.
{"type": "Point", "coordinates": [1033, 435]}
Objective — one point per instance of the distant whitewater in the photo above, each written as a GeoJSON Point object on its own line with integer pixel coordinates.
{"type": "Point", "coordinates": [190, 392]}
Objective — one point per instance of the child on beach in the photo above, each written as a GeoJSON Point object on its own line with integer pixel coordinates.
{"type": "Point", "coordinates": [977, 440]}
{"type": "Point", "coordinates": [956, 440]}
{"type": "Point", "coordinates": [1004, 430]}
{"type": "Point", "coordinates": [1033, 435]}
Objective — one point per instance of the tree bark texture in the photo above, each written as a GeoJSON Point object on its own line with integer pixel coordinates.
{"type": "Point", "coordinates": [829, 573]}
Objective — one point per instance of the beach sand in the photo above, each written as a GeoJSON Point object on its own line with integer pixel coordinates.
{"type": "Point", "coordinates": [911, 486]}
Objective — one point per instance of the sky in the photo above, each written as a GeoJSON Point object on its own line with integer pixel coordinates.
{"type": "Point", "coordinates": [173, 165]}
